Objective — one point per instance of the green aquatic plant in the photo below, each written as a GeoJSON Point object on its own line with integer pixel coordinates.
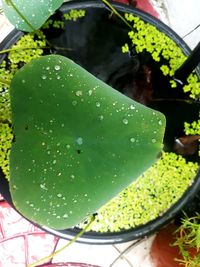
{"type": "Point", "coordinates": [74, 14]}
{"type": "Point", "coordinates": [67, 122]}
{"type": "Point", "coordinates": [188, 241]}
{"type": "Point", "coordinates": [192, 128]}
{"type": "Point", "coordinates": [193, 87]}
{"type": "Point", "coordinates": [6, 138]}
{"type": "Point", "coordinates": [146, 37]}
{"type": "Point", "coordinates": [149, 197]}
{"type": "Point", "coordinates": [56, 24]}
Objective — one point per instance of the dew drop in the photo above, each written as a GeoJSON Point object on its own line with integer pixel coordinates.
{"type": "Point", "coordinates": [160, 123]}
{"type": "Point", "coordinates": [153, 140]}
{"type": "Point", "coordinates": [54, 161]}
{"type": "Point", "coordinates": [79, 140]}
{"type": "Point", "coordinates": [47, 68]}
{"type": "Point", "coordinates": [43, 186]}
{"type": "Point", "coordinates": [132, 107]}
{"type": "Point", "coordinates": [101, 117]}
{"type": "Point", "coordinates": [98, 104]}
{"type": "Point", "coordinates": [125, 121]}
{"type": "Point", "coordinates": [79, 93]}
{"type": "Point", "coordinates": [59, 195]}
{"type": "Point", "coordinates": [65, 215]}
{"type": "Point", "coordinates": [68, 146]}
{"type": "Point", "coordinates": [23, 81]}
{"type": "Point", "coordinates": [72, 176]}
{"type": "Point", "coordinates": [132, 140]}
{"type": "Point", "coordinates": [44, 77]}
{"type": "Point", "coordinates": [57, 67]}
{"type": "Point", "coordinates": [90, 92]}
{"type": "Point", "coordinates": [58, 77]}
{"type": "Point", "coordinates": [74, 103]}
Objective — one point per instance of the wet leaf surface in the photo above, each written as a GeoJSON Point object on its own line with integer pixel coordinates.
{"type": "Point", "coordinates": [78, 142]}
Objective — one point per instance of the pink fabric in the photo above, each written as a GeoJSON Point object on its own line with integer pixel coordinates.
{"type": "Point", "coordinates": [21, 243]}
{"type": "Point", "coordinates": [144, 5]}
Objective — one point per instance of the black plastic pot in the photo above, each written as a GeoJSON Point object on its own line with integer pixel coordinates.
{"type": "Point", "coordinates": [95, 43]}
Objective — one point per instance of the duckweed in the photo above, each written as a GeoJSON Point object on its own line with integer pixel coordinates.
{"type": "Point", "coordinates": [75, 14]}
{"type": "Point", "coordinates": [6, 137]}
{"type": "Point", "coordinates": [148, 197]}
{"type": "Point", "coordinates": [146, 37]}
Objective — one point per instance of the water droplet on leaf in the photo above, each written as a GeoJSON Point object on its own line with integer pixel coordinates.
{"type": "Point", "coordinates": [57, 67]}
{"type": "Point", "coordinates": [79, 140]}
{"type": "Point", "coordinates": [125, 121]}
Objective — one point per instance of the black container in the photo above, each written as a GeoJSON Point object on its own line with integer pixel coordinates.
{"type": "Point", "coordinates": [95, 42]}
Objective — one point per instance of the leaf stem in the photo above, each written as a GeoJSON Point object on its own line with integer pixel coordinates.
{"type": "Point", "coordinates": [117, 13]}
{"type": "Point", "coordinates": [21, 48]}
{"type": "Point", "coordinates": [20, 14]}
{"type": "Point", "coordinates": [41, 261]}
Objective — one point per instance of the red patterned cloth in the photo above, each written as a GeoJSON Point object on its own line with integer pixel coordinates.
{"type": "Point", "coordinates": [21, 243]}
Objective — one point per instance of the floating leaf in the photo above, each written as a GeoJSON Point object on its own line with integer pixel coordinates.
{"type": "Point", "coordinates": [78, 142]}
{"type": "Point", "coordinates": [29, 15]}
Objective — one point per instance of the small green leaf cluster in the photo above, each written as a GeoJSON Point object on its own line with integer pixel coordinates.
{"type": "Point", "coordinates": [6, 137]}
{"type": "Point", "coordinates": [148, 197]}
{"type": "Point", "coordinates": [188, 238]}
{"type": "Point", "coordinates": [57, 24]}
{"type": "Point", "coordinates": [193, 87]}
{"type": "Point", "coordinates": [146, 37]}
{"type": "Point", "coordinates": [74, 14]}
{"type": "Point", "coordinates": [29, 46]}
{"type": "Point", "coordinates": [192, 128]}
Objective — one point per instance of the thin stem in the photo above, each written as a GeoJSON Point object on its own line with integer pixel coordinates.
{"type": "Point", "coordinates": [20, 14]}
{"type": "Point", "coordinates": [117, 13]}
{"type": "Point", "coordinates": [64, 247]}
{"type": "Point", "coordinates": [21, 48]}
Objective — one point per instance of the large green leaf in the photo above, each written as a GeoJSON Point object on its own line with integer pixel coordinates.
{"type": "Point", "coordinates": [31, 14]}
{"type": "Point", "coordinates": [78, 142]}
